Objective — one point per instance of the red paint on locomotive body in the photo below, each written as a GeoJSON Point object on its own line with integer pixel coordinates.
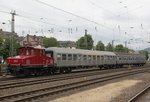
{"type": "Point", "coordinates": [29, 57]}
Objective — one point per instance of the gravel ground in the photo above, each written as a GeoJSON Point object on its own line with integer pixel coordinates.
{"type": "Point", "coordinates": [118, 90]}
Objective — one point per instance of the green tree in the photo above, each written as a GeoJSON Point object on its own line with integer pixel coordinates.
{"type": "Point", "coordinates": [109, 47]}
{"type": "Point", "coordinates": [5, 50]}
{"type": "Point", "coordinates": [145, 53]}
{"type": "Point", "coordinates": [126, 50]}
{"type": "Point", "coordinates": [85, 42]}
{"type": "Point", "coordinates": [1, 42]}
{"type": "Point", "coordinates": [100, 46]}
{"type": "Point", "coordinates": [119, 48]}
{"type": "Point", "coordinates": [50, 42]}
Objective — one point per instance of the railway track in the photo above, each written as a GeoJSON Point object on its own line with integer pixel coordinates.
{"type": "Point", "coordinates": [58, 89]}
{"type": "Point", "coordinates": [13, 79]}
{"type": "Point", "coordinates": [38, 80]}
{"type": "Point", "coordinates": [140, 94]}
{"type": "Point", "coordinates": [7, 78]}
{"type": "Point", "coordinates": [28, 82]}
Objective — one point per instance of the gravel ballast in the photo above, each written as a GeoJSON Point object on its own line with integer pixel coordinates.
{"type": "Point", "coordinates": [118, 90]}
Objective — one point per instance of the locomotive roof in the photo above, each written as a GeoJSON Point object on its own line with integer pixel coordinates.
{"type": "Point", "coordinates": [79, 51]}
{"type": "Point", "coordinates": [34, 47]}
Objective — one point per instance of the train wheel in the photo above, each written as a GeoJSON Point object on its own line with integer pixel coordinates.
{"type": "Point", "coordinates": [68, 70]}
{"type": "Point", "coordinates": [62, 70]}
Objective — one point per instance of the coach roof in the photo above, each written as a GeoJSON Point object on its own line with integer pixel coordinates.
{"type": "Point", "coordinates": [79, 51]}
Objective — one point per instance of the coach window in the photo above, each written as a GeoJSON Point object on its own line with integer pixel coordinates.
{"type": "Point", "coordinates": [102, 57]}
{"type": "Point", "coordinates": [69, 57]}
{"type": "Point", "coordinates": [94, 57]}
{"type": "Point", "coordinates": [59, 56]}
{"type": "Point", "coordinates": [74, 57]}
{"type": "Point", "coordinates": [115, 57]}
{"type": "Point", "coordinates": [79, 57]}
{"type": "Point", "coordinates": [98, 57]}
{"type": "Point", "coordinates": [107, 57]}
{"type": "Point", "coordinates": [84, 57]}
{"type": "Point", "coordinates": [89, 57]}
{"type": "Point", "coordinates": [63, 56]}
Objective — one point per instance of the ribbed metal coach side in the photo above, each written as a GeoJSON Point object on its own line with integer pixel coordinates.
{"type": "Point", "coordinates": [130, 59]}
{"type": "Point", "coordinates": [81, 57]}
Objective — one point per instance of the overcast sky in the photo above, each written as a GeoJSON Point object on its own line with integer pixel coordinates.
{"type": "Point", "coordinates": [105, 20]}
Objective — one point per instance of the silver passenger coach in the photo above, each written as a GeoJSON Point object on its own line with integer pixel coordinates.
{"type": "Point", "coordinates": [66, 57]}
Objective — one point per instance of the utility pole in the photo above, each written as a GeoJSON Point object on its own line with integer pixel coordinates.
{"type": "Point", "coordinates": [113, 44]}
{"type": "Point", "coordinates": [125, 43]}
{"type": "Point", "coordinates": [86, 45]}
{"type": "Point", "coordinates": [13, 13]}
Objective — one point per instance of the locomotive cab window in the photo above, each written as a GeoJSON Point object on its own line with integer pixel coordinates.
{"type": "Point", "coordinates": [27, 52]}
{"type": "Point", "coordinates": [21, 51]}
{"type": "Point", "coordinates": [32, 51]}
{"type": "Point", "coordinates": [40, 52]}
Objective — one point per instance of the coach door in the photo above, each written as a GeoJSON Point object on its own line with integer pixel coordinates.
{"type": "Point", "coordinates": [50, 54]}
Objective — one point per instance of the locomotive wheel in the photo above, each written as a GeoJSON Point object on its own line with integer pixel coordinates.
{"type": "Point", "coordinates": [62, 70]}
{"type": "Point", "coordinates": [22, 73]}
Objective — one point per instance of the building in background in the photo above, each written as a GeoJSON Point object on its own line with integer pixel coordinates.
{"type": "Point", "coordinates": [67, 44]}
{"type": "Point", "coordinates": [6, 35]}
{"type": "Point", "coordinates": [32, 40]}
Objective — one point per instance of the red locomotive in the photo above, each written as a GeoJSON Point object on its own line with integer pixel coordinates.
{"type": "Point", "coordinates": [30, 60]}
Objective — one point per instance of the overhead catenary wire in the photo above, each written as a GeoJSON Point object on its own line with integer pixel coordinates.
{"type": "Point", "coordinates": [41, 21]}
{"type": "Point", "coordinates": [5, 12]}
{"type": "Point", "coordinates": [98, 6]}
{"type": "Point", "coordinates": [36, 20]}
{"type": "Point", "coordinates": [46, 4]}
{"type": "Point", "coordinates": [31, 17]}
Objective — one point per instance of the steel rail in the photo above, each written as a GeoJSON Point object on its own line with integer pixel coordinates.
{"type": "Point", "coordinates": [46, 80]}
{"type": "Point", "coordinates": [35, 94]}
{"type": "Point", "coordinates": [141, 93]}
